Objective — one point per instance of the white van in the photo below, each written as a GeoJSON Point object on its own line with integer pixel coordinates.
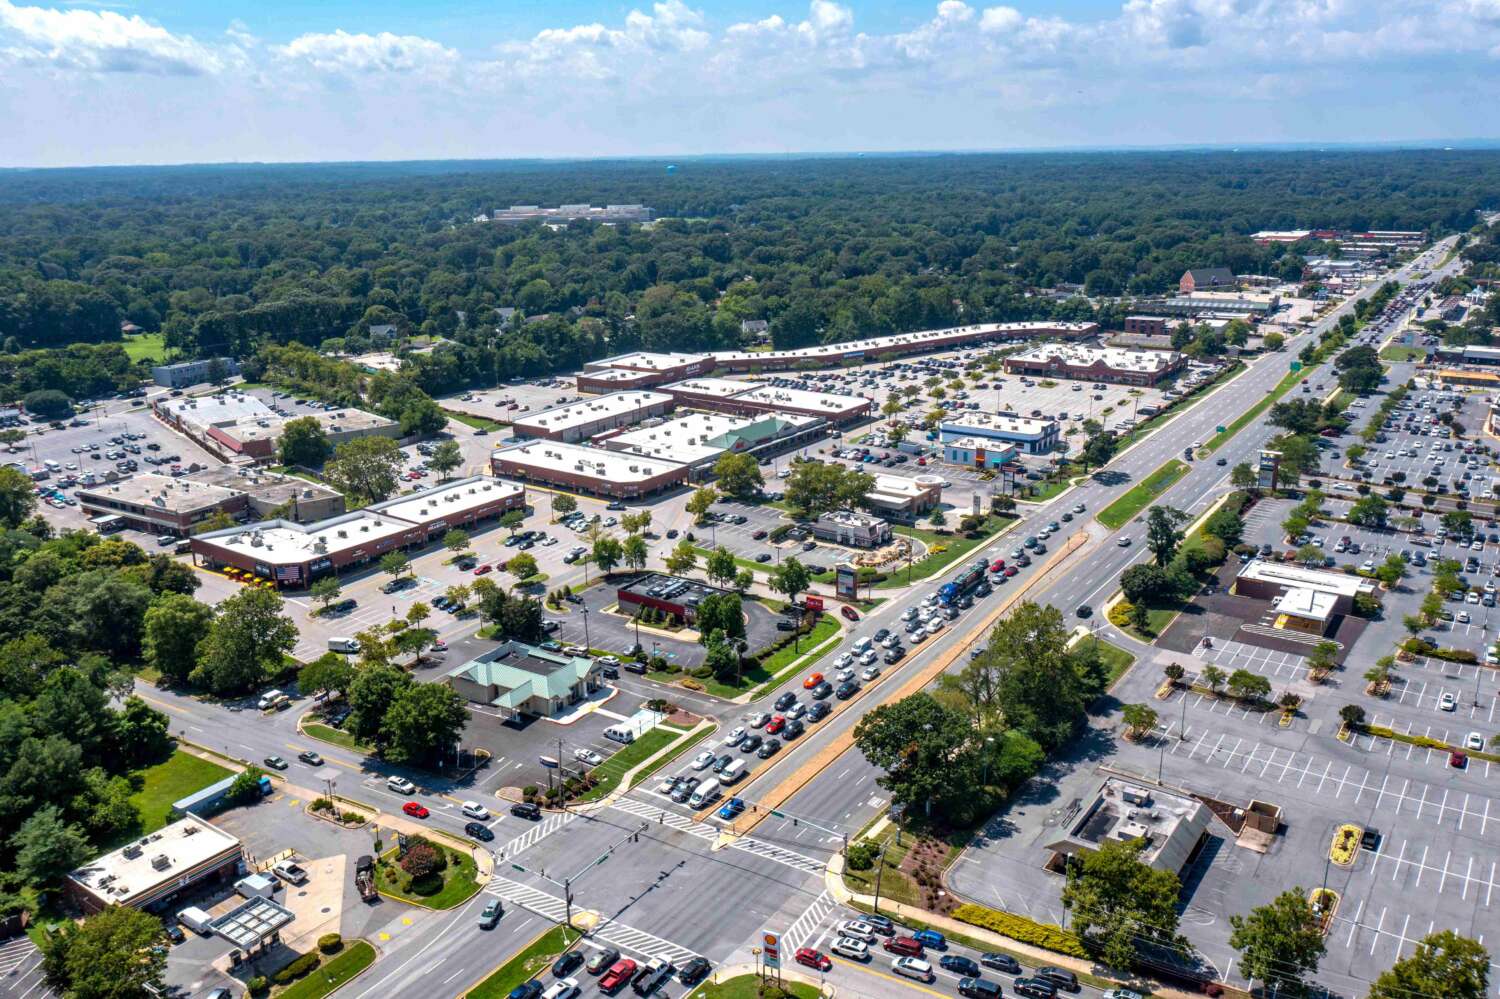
{"type": "Point", "coordinates": [272, 699]}
{"type": "Point", "coordinates": [346, 645]}
{"type": "Point", "coordinates": [619, 734]}
{"type": "Point", "coordinates": [705, 793]}
{"type": "Point", "coordinates": [52, 466]}
{"type": "Point", "coordinates": [733, 772]}
{"type": "Point", "coordinates": [863, 645]}
{"type": "Point", "coordinates": [196, 920]}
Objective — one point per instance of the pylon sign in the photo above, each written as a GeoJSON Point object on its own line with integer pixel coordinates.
{"type": "Point", "coordinates": [771, 952]}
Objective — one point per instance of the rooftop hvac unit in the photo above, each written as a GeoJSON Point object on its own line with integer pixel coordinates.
{"type": "Point", "coordinates": [1136, 795]}
{"type": "Point", "coordinates": [189, 830]}
{"type": "Point", "coordinates": [131, 851]}
{"type": "Point", "coordinates": [343, 533]}
{"type": "Point", "coordinates": [161, 862]}
{"type": "Point", "coordinates": [320, 546]}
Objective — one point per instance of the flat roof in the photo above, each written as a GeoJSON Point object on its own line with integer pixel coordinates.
{"type": "Point", "coordinates": [263, 485]}
{"type": "Point", "coordinates": [160, 492]}
{"type": "Point", "coordinates": [595, 462]}
{"type": "Point", "coordinates": [903, 488]}
{"type": "Point", "coordinates": [1023, 426]}
{"type": "Point", "coordinates": [332, 421]}
{"type": "Point", "coordinates": [458, 496]}
{"type": "Point", "coordinates": [671, 589]}
{"type": "Point", "coordinates": [850, 518]}
{"type": "Point", "coordinates": [216, 410]}
{"type": "Point", "coordinates": [1074, 355]}
{"type": "Point", "coordinates": [624, 376]}
{"type": "Point", "coordinates": [905, 341]}
{"type": "Point", "coordinates": [988, 443]}
{"type": "Point", "coordinates": [587, 411]}
{"type": "Point", "coordinates": [646, 360]}
{"type": "Point", "coordinates": [803, 399]}
{"type": "Point", "coordinates": [284, 541]}
{"type": "Point", "coordinates": [1121, 810]}
{"type": "Point", "coordinates": [1294, 576]}
{"type": "Point", "coordinates": [686, 438]}
{"type": "Point", "coordinates": [145, 864]}
{"type": "Point", "coordinates": [1300, 601]}
{"type": "Point", "coordinates": [252, 921]}
{"type": "Point", "coordinates": [723, 388]}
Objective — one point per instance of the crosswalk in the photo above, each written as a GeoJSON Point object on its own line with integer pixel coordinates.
{"type": "Point", "coordinates": [800, 931]}
{"type": "Point", "coordinates": [531, 836]}
{"type": "Point", "coordinates": [626, 938]}
{"type": "Point", "coordinates": [704, 831]}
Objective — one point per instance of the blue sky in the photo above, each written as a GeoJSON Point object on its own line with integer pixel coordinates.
{"type": "Point", "coordinates": [153, 81]}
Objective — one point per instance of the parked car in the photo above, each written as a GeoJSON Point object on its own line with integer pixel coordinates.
{"type": "Point", "coordinates": [416, 809]}
{"type": "Point", "coordinates": [813, 959]}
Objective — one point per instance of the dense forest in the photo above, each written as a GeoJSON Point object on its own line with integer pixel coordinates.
{"type": "Point", "coordinates": [227, 259]}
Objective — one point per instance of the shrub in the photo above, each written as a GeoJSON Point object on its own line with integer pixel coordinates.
{"type": "Point", "coordinates": [259, 985]}
{"type": "Point", "coordinates": [353, 818]}
{"type": "Point", "coordinates": [421, 861]}
{"type": "Point", "coordinates": [1020, 928]}
{"type": "Point", "coordinates": [330, 943]}
{"type": "Point", "coordinates": [297, 968]}
{"type": "Point", "coordinates": [862, 856]}
{"type": "Point", "coordinates": [528, 791]}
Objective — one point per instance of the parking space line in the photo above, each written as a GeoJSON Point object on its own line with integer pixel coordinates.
{"type": "Point", "coordinates": [1422, 865]}
{"type": "Point", "coordinates": [1378, 930]}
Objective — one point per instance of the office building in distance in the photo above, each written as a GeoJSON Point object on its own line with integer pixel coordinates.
{"type": "Point", "coordinates": [1096, 364]}
{"type": "Point", "coordinates": [193, 372]}
{"type": "Point", "coordinates": [581, 420]}
{"type": "Point", "coordinates": [595, 470]}
{"type": "Point", "coordinates": [1029, 436]}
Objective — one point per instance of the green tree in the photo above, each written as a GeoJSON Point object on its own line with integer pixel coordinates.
{"type": "Point", "coordinates": [738, 475]}
{"type": "Point", "coordinates": [141, 735]}
{"type": "Point", "coordinates": [1443, 964]}
{"type": "Point", "coordinates": [48, 848]}
{"type": "Point", "coordinates": [927, 752]}
{"type": "Point", "coordinates": [683, 559]}
{"type": "Point", "coordinates": [330, 671]}
{"type": "Point", "coordinates": [699, 503]}
{"type": "Point", "coordinates": [562, 503]}
{"type": "Point", "coordinates": [1214, 677]}
{"type": "Point", "coordinates": [720, 565]}
{"type": "Point", "coordinates": [1138, 718]}
{"type": "Point", "coordinates": [1035, 686]}
{"type": "Point", "coordinates": [721, 614]}
{"type": "Point", "coordinates": [937, 518]}
{"type": "Point", "coordinates": [374, 689]}
{"type": "Point", "coordinates": [1145, 583]}
{"type": "Point", "coordinates": [1279, 943]}
{"type": "Point", "coordinates": [607, 553]}
{"type": "Point", "coordinates": [1163, 533]}
{"type": "Point", "coordinates": [1273, 341]}
{"type": "Point", "coordinates": [790, 578]}
{"type": "Point", "coordinates": [303, 442]}
{"type": "Point", "coordinates": [634, 551]}
{"type": "Point", "coordinates": [512, 519]}
{"type": "Point", "coordinates": [249, 640]}
{"type": "Point", "coordinates": [366, 469]}
{"type": "Point", "coordinates": [743, 580]}
{"type": "Point", "coordinates": [458, 593]}
{"type": "Point", "coordinates": [1245, 685]}
{"type": "Point", "coordinates": [1226, 525]}
{"type": "Point", "coordinates": [522, 566]}
{"type": "Point", "coordinates": [445, 457]}
{"type": "Point", "coordinates": [113, 954]}
{"type": "Point", "coordinates": [456, 540]}
{"type": "Point", "coordinates": [423, 723]}
{"type": "Point", "coordinates": [175, 627]}
{"type": "Point", "coordinates": [1368, 511]}
{"type": "Point", "coordinates": [395, 564]}
{"type": "Point", "coordinates": [722, 658]}
{"type": "Point", "coordinates": [1242, 476]}
{"type": "Point", "coordinates": [325, 591]}
{"type": "Point", "coordinates": [1118, 902]}
{"type": "Point", "coordinates": [17, 497]}
{"type": "Point", "coordinates": [814, 486]}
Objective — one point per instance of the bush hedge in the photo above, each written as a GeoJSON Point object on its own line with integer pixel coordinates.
{"type": "Point", "coordinates": [297, 968]}
{"type": "Point", "coordinates": [1020, 928]}
{"type": "Point", "coordinates": [259, 985]}
{"type": "Point", "coordinates": [330, 943]}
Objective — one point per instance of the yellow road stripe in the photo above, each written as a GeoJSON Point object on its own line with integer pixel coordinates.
{"type": "Point", "coordinates": [869, 969]}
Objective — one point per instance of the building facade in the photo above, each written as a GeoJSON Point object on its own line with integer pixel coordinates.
{"type": "Point", "coordinates": [192, 372]}
{"type": "Point", "coordinates": [593, 470]}
{"type": "Point", "coordinates": [1096, 364]}
{"type": "Point", "coordinates": [977, 452]}
{"type": "Point", "coordinates": [580, 420]}
{"type": "Point", "coordinates": [851, 529]}
{"type": "Point", "coordinates": [1029, 436]}
{"type": "Point", "coordinates": [1199, 279]}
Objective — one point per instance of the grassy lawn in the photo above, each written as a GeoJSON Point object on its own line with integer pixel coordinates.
{"type": "Point", "coordinates": [327, 733]}
{"type": "Point", "coordinates": [1045, 491]}
{"type": "Point", "coordinates": [895, 884]}
{"type": "Point", "coordinates": [458, 881]}
{"type": "Point", "coordinates": [1122, 510]}
{"type": "Point", "coordinates": [1398, 353]}
{"type": "Point", "coordinates": [1250, 415]}
{"type": "Point", "coordinates": [477, 422]}
{"type": "Point", "coordinates": [525, 966]}
{"type": "Point", "coordinates": [769, 673]}
{"type": "Point", "coordinates": [743, 563]}
{"type": "Point", "coordinates": [353, 959]}
{"type": "Point", "coordinates": [1115, 659]}
{"type": "Point", "coordinates": [749, 987]}
{"type": "Point", "coordinates": [145, 347]}
{"type": "Point", "coordinates": [176, 778]}
{"type": "Point", "coordinates": [955, 547]}
{"type": "Point", "coordinates": [613, 769]}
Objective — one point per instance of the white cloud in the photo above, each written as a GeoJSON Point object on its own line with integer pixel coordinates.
{"type": "Point", "coordinates": [359, 55]}
{"type": "Point", "coordinates": [101, 41]}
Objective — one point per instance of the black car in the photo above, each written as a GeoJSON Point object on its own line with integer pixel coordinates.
{"type": "Point", "coordinates": [722, 762]}
{"type": "Point", "coordinates": [961, 965]}
{"type": "Point", "coordinates": [527, 990]}
{"type": "Point", "coordinates": [770, 749]}
{"type": "Point", "coordinates": [750, 743]}
{"type": "Point", "coordinates": [785, 625]}
{"type": "Point", "coordinates": [310, 758]}
{"type": "Point", "coordinates": [564, 965]}
{"type": "Point", "coordinates": [693, 971]}
{"type": "Point", "coordinates": [1034, 988]}
{"type": "Point", "coordinates": [1001, 962]}
{"type": "Point", "coordinates": [1061, 978]}
{"type": "Point", "coordinates": [882, 634]}
{"type": "Point", "coordinates": [526, 810]}
{"type": "Point", "coordinates": [672, 533]}
{"type": "Point", "coordinates": [818, 711]}
{"type": "Point", "coordinates": [175, 934]}
{"type": "Point", "coordinates": [1085, 611]}
{"type": "Point", "coordinates": [821, 691]}
{"type": "Point", "coordinates": [893, 655]}
{"type": "Point", "coordinates": [785, 701]}
{"type": "Point", "coordinates": [793, 728]}
{"type": "Point", "coordinates": [479, 831]}
{"type": "Point", "coordinates": [846, 690]}
{"type": "Point", "coordinates": [979, 988]}
{"type": "Point", "coordinates": [1370, 838]}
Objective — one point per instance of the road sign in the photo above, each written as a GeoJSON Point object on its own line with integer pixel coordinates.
{"type": "Point", "coordinates": [1296, 365]}
{"type": "Point", "coordinates": [1219, 429]}
{"type": "Point", "coordinates": [771, 954]}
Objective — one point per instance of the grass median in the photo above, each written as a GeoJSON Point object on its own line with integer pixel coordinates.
{"type": "Point", "coordinates": [752, 987]}
{"type": "Point", "coordinates": [525, 966]}
{"type": "Point", "coordinates": [356, 957]}
{"type": "Point", "coordinates": [1123, 510]}
{"type": "Point", "coordinates": [613, 770]}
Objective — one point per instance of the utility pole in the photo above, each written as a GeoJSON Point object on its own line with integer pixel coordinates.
{"type": "Point", "coordinates": [879, 869]}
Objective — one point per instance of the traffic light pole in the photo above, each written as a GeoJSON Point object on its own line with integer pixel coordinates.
{"type": "Point", "coordinates": [798, 820]}
{"type": "Point", "coordinates": [566, 884]}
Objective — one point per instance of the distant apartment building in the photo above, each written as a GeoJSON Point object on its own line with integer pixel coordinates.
{"type": "Point", "coordinates": [192, 372]}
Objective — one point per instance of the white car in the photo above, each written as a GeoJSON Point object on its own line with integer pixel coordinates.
{"type": "Point", "coordinates": [759, 720]}
{"type": "Point", "coordinates": [848, 947]}
{"type": "Point", "coordinates": [934, 626]}
{"type": "Point", "coordinates": [890, 641]}
{"type": "Point", "coordinates": [870, 673]}
{"type": "Point", "coordinates": [704, 760]}
{"type": "Point", "coordinates": [1447, 702]}
{"type": "Point", "coordinates": [912, 967]}
{"type": "Point", "coordinates": [588, 757]}
{"type": "Point", "coordinates": [1123, 543]}
{"type": "Point", "coordinates": [869, 658]}
{"type": "Point", "coordinates": [474, 810]}
{"type": "Point", "coordinates": [858, 930]}
{"type": "Point", "coordinates": [401, 785]}
{"type": "Point", "coordinates": [563, 988]}
{"type": "Point", "coordinates": [548, 543]}
{"type": "Point", "coordinates": [844, 659]}
{"type": "Point", "coordinates": [1474, 741]}
{"type": "Point", "coordinates": [1462, 617]}
{"type": "Point", "coordinates": [1122, 994]}
{"type": "Point", "coordinates": [734, 737]}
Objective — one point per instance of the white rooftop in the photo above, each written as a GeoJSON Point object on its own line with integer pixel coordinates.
{"type": "Point", "coordinates": [903, 487]}
{"type": "Point", "coordinates": [720, 387]}
{"type": "Point", "coordinates": [283, 541]}
{"type": "Point", "coordinates": [682, 439]}
{"type": "Point", "coordinates": [1295, 576]}
{"type": "Point", "coordinates": [217, 410]}
{"type": "Point", "coordinates": [873, 346]}
{"type": "Point", "coordinates": [979, 442]}
{"type": "Point", "coordinates": [454, 497]}
{"type": "Point", "coordinates": [144, 864]}
{"type": "Point", "coordinates": [646, 360]}
{"type": "Point", "coordinates": [587, 411]}
{"type": "Point", "coordinates": [1021, 425]}
{"type": "Point", "coordinates": [1078, 356]}
{"type": "Point", "coordinates": [580, 459]}
{"type": "Point", "coordinates": [803, 400]}
{"type": "Point", "coordinates": [160, 492]}
{"type": "Point", "coordinates": [1300, 601]}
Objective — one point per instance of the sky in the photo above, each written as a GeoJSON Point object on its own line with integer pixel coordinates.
{"type": "Point", "coordinates": [95, 82]}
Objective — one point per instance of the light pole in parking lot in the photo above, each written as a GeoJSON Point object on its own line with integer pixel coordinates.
{"type": "Point", "coordinates": [586, 643]}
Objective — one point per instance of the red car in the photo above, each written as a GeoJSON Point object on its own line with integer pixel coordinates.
{"type": "Point", "coordinates": [813, 959]}
{"type": "Point", "coordinates": [1010, 571]}
{"type": "Point", "coordinates": [998, 565]}
{"type": "Point", "coordinates": [416, 810]}
{"type": "Point", "coordinates": [849, 612]}
{"type": "Point", "coordinates": [1457, 759]}
{"type": "Point", "coordinates": [776, 724]}
{"type": "Point", "coordinates": [617, 976]}
{"type": "Point", "coordinates": [483, 569]}
{"type": "Point", "coordinates": [813, 679]}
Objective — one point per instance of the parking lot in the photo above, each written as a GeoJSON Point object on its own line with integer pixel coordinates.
{"type": "Point", "coordinates": [514, 399]}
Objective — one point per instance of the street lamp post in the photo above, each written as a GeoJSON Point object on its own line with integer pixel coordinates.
{"type": "Point", "coordinates": [586, 643]}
